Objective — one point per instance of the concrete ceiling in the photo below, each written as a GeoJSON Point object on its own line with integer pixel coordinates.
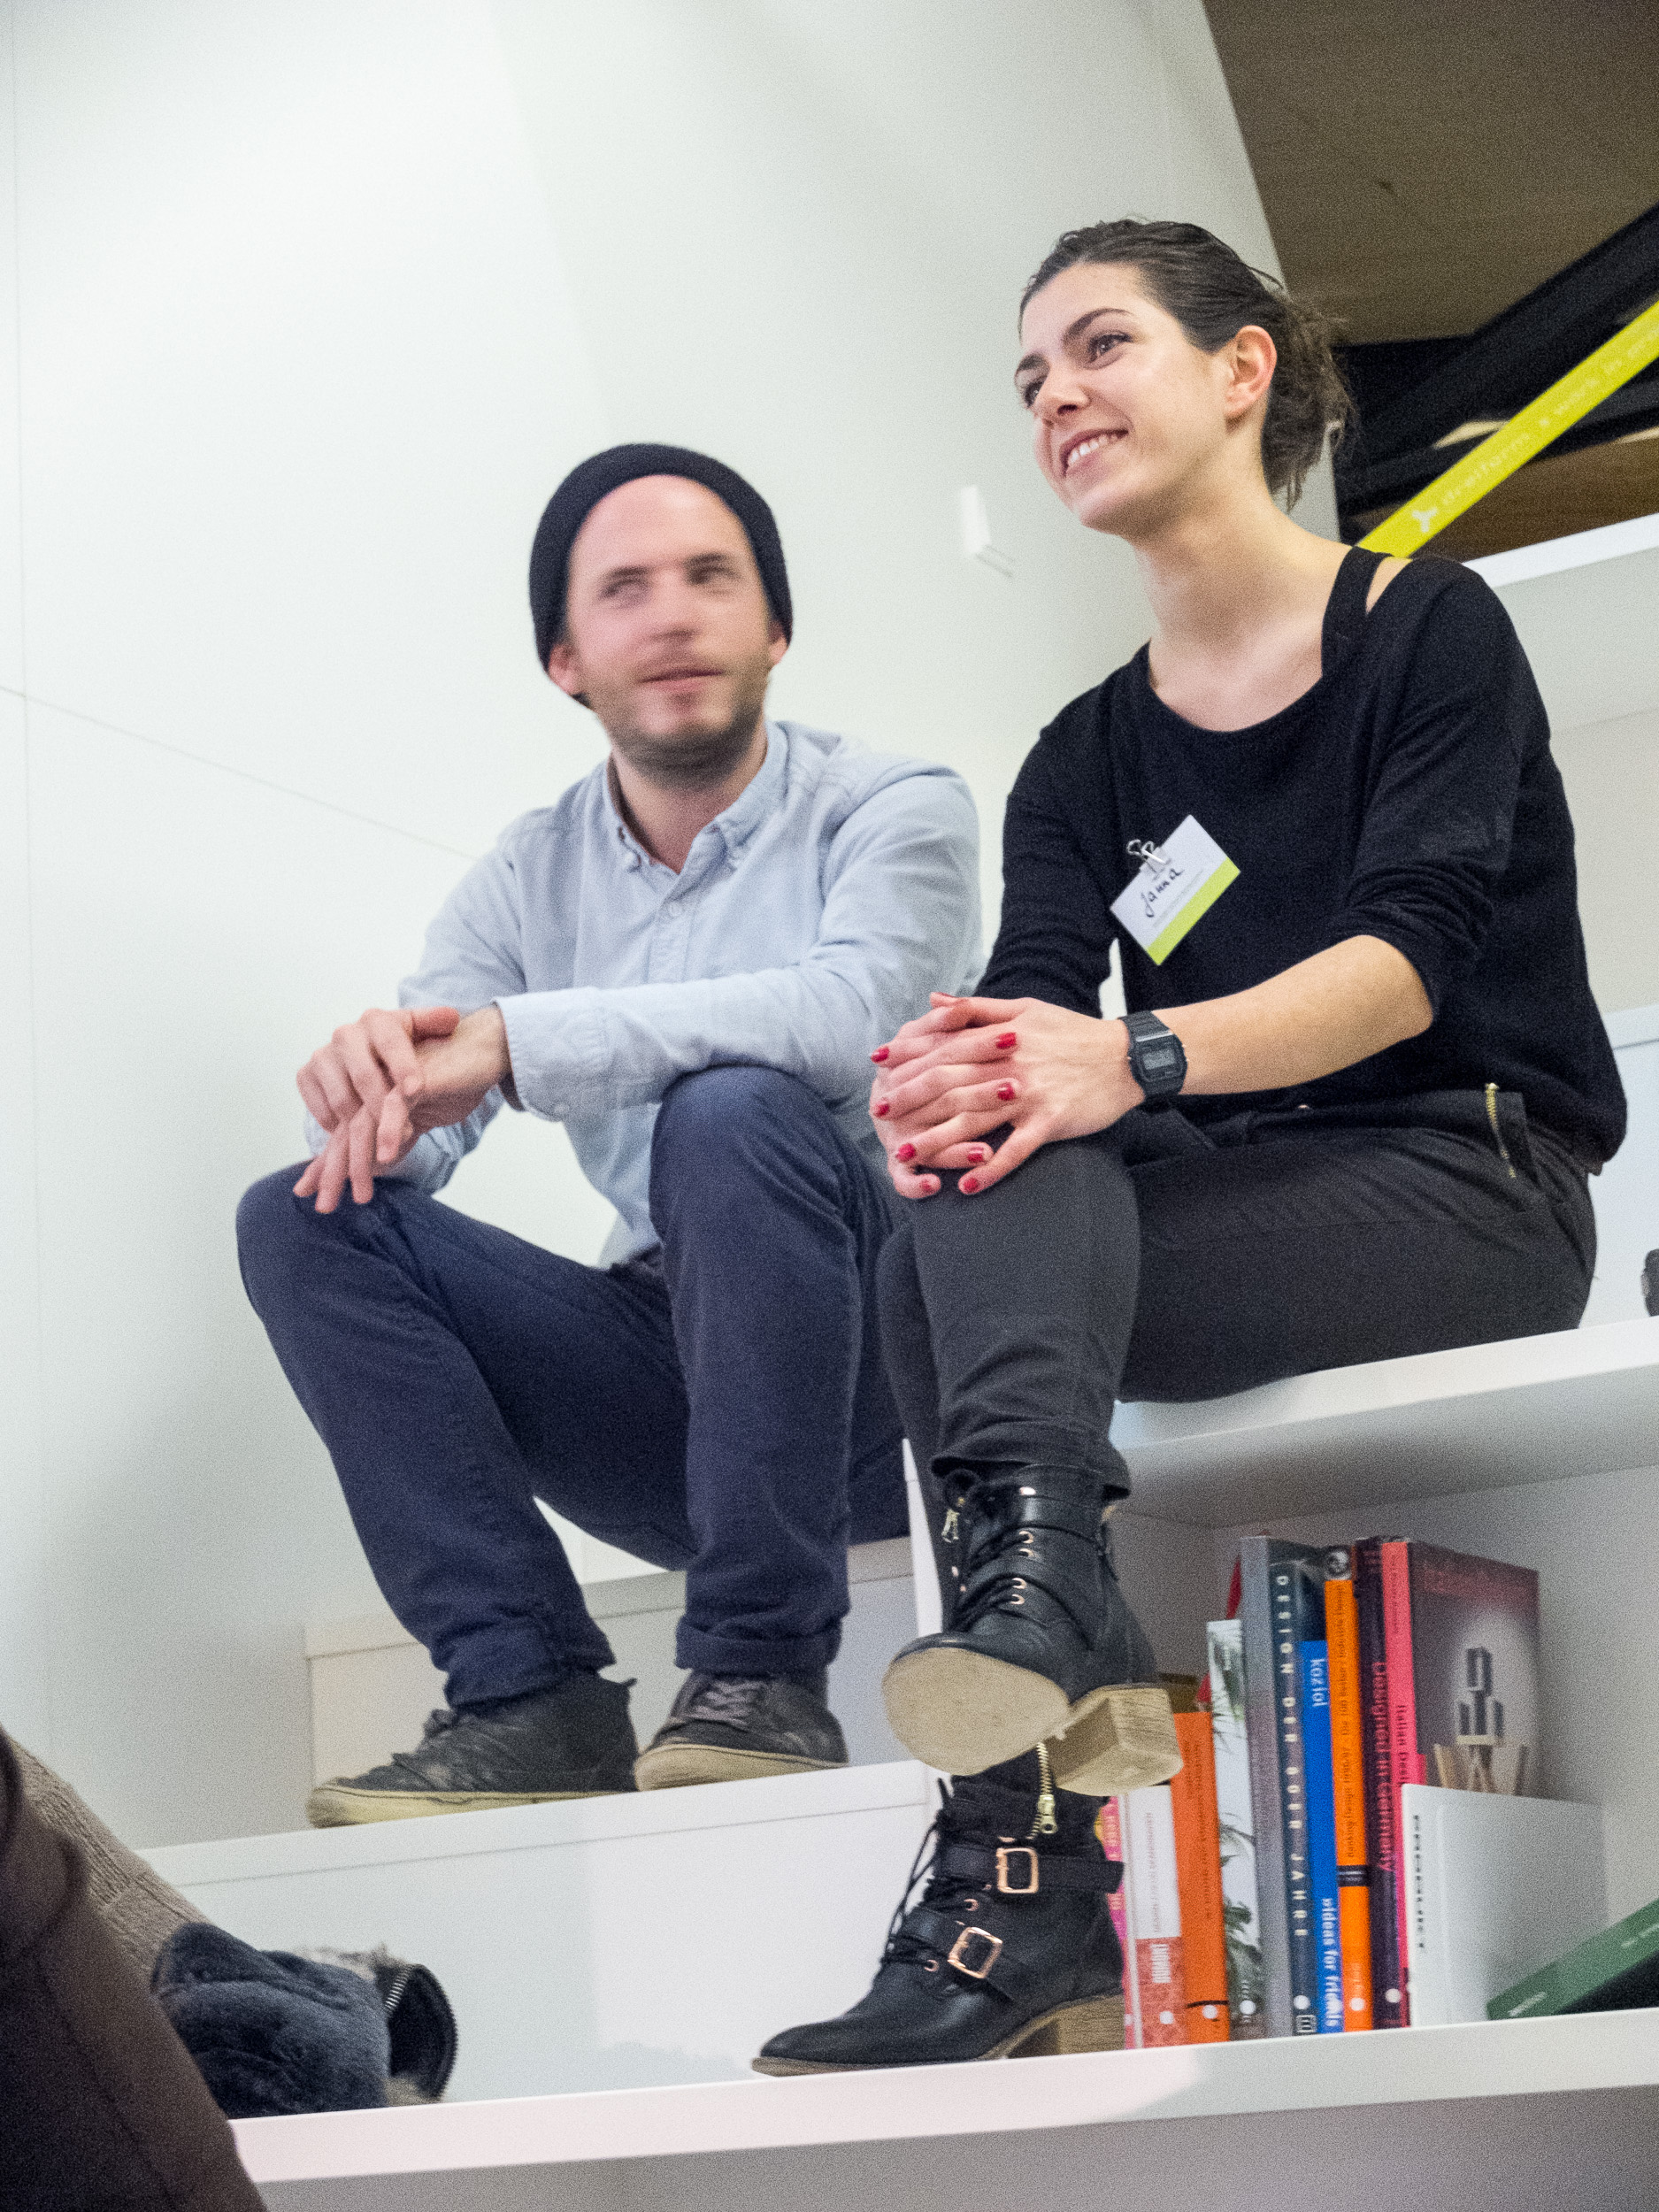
{"type": "Point", "coordinates": [1423, 163]}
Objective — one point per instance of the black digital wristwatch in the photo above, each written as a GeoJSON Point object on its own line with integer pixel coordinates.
{"type": "Point", "coordinates": [1156, 1058]}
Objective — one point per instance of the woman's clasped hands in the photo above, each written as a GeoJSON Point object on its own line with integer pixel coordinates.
{"type": "Point", "coordinates": [980, 1084]}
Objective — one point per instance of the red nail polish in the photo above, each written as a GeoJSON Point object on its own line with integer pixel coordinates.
{"type": "Point", "coordinates": [967, 1184]}
{"type": "Point", "coordinates": [885, 1106]}
{"type": "Point", "coordinates": [1007, 1041]}
{"type": "Point", "coordinates": [1006, 1090]}
{"type": "Point", "coordinates": [905, 1152]}
{"type": "Point", "coordinates": [880, 1053]}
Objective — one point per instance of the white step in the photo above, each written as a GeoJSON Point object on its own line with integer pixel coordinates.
{"type": "Point", "coordinates": [1584, 1402]}
{"type": "Point", "coordinates": [1488, 2119]}
{"type": "Point", "coordinates": [608, 1942]}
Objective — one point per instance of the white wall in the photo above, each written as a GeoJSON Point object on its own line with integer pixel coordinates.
{"type": "Point", "coordinates": [1584, 608]}
{"type": "Point", "coordinates": [303, 311]}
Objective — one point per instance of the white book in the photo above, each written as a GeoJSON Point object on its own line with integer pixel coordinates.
{"type": "Point", "coordinates": [1159, 1991]}
{"type": "Point", "coordinates": [1496, 1888]}
{"type": "Point", "coordinates": [1237, 1820]}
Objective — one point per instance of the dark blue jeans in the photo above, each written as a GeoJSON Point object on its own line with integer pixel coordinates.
{"type": "Point", "coordinates": [728, 1414]}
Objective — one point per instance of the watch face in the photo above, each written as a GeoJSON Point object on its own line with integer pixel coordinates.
{"type": "Point", "coordinates": [1160, 1057]}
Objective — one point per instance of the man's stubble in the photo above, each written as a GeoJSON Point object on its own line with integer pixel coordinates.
{"type": "Point", "coordinates": [699, 760]}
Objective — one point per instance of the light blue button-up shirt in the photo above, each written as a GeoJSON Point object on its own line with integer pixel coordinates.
{"type": "Point", "coordinates": [810, 920]}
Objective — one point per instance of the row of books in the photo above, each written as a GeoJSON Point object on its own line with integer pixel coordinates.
{"type": "Point", "coordinates": [1263, 1890]}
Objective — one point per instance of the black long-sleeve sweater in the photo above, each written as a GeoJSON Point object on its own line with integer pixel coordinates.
{"type": "Point", "coordinates": [1409, 795]}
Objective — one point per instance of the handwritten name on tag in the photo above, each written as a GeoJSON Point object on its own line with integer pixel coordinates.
{"type": "Point", "coordinates": [1175, 886]}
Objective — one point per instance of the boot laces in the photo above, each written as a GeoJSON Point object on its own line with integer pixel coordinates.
{"type": "Point", "coordinates": [1000, 1545]}
{"type": "Point", "coordinates": [940, 1890]}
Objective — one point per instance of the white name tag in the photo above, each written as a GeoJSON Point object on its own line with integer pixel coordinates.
{"type": "Point", "coordinates": [1175, 886]}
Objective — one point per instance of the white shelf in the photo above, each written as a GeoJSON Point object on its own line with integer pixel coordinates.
{"type": "Point", "coordinates": [1492, 1417]}
{"type": "Point", "coordinates": [604, 1943]}
{"type": "Point", "coordinates": [963, 2136]}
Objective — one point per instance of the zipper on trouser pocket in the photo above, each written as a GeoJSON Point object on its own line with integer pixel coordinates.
{"type": "Point", "coordinates": [1492, 1115]}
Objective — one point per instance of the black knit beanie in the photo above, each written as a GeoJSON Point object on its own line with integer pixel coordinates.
{"type": "Point", "coordinates": [588, 483]}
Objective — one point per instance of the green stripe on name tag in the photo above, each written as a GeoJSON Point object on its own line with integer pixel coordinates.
{"type": "Point", "coordinates": [1194, 911]}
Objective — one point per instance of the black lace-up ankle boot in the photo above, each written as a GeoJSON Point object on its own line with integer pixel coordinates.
{"type": "Point", "coordinates": [1010, 1952]}
{"type": "Point", "coordinates": [1039, 1642]}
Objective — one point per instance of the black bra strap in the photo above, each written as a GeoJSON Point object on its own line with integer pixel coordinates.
{"type": "Point", "coordinates": [1345, 609]}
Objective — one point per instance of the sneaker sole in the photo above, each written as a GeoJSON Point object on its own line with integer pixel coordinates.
{"type": "Point", "coordinates": [962, 1711]}
{"type": "Point", "coordinates": [331, 1806]}
{"type": "Point", "coordinates": [1067, 2032]}
{"type": "Point", "coordinates": [672, 1766]}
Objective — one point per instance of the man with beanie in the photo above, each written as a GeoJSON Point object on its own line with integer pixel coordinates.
{"type": "Point", "coordinates": [687, 960]}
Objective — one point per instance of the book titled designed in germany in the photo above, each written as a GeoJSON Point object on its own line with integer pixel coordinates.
{"type": "Point", "coordinates": [1382, 1823]}
{"type": "Point", "coordinates": [1236, 1829]}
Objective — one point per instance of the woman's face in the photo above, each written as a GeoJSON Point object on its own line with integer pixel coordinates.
{"type": "Point", "coordinates": [1129, 417]}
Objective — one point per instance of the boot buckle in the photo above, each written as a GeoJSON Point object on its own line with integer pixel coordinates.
{"type": "Point", "coordinates": [1032, 1868]}
{"type": "Point", "coordinates": [992, 1950]}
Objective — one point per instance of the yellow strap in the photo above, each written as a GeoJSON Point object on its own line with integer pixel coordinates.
{"type": "Point", "coordinates": [1522, 436]}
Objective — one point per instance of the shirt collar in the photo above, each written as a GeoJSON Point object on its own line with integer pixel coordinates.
{"type": "Point", "coordinates": [759, 797]}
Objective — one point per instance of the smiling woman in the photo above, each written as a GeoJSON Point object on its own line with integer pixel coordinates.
{"type": "Point", "coordinates": [1348, 1114]}
{"type": "Point", "coordinates": [1213, 296]}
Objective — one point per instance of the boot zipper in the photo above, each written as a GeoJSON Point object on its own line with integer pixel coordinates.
{"type": "Point", "coordinates": [1045, 1823]}
{"type": "Point", "coordinates": [1492, 1115]}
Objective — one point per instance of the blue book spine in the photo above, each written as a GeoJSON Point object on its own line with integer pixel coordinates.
{"type": "Point", "coordinates": [1316, 1738]}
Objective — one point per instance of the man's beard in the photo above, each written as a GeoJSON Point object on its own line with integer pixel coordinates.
{"type": "Point", "coordinates": [700, 760]}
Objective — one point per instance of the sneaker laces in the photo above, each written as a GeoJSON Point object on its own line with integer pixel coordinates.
{"type": "Point", "coordinates": [437, 1724]}
{"type": "Point", "coordinates": [730, 1698]}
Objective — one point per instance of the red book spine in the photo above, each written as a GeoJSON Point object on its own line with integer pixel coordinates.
{"type": "Point", "coordinates": [1110, 1828]}
{"type": "Point", "coordinates": [1405, 1764]}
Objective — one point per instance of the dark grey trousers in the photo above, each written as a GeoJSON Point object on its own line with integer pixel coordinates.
{"type": "Point", "coordinates": [1160, 1261]}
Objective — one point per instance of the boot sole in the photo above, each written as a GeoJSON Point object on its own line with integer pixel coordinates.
{"type": "Point", "coordinates": [683, 1766]}
{"type": "Point", "coordinates": [329, 1805]}
{"type": "Point", "coordinates": [1067, 2032]}
{"type": "Point", "coordinates": [962, 1711]}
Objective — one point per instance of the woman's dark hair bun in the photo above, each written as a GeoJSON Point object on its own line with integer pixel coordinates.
{"type": "Point", "coordinates": [1212, 293]}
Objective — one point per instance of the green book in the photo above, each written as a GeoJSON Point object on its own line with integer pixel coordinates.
{"type": "Point", "coordinates": [1612, 1972]}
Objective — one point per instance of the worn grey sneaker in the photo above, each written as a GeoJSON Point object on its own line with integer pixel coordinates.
{"type": "Point", "coordinates": [573, 1740]}
{"type": "Point", "coordinates": [737, 1727]}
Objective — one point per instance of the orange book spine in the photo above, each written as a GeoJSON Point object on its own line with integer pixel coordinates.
{"type": "Point", "coordinates": [1348, 1775]}
{"type": "Point", "coordinates": [1198, 1871]}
